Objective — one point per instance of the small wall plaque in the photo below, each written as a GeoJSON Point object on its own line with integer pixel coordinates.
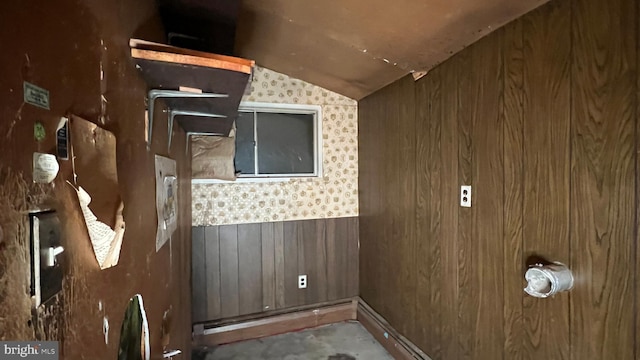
{"type": "Point", "coordinates": [62, 139]}
{"type": "Point", "coordinates": [36, 96]}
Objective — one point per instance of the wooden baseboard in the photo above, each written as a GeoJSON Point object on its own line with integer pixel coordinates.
{"type": "Point", "coordinates": [200, 327]}
{"type": "Point", "coordinates": [397, 345]}
{"type": "Point", "coordinates": [277, 324]}
{"type": "Point", "coordinates": [246, 329]}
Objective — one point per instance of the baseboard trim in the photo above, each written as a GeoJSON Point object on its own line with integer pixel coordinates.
{"type": "Point", "coordinates": [397, 345]}
{"type": "Point", "coordinates": [277, 324]}
{"type": "Point", "coordinates": [324, 314]}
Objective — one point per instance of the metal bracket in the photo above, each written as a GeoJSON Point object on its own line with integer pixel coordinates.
{"type": "Point", "coordinates": [174, 113]}
{"type": "Point", "coordinates": [158, 93]}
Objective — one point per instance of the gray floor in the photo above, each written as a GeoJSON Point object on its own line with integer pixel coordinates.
{"type": "Point", "coordinates": [342, 341]}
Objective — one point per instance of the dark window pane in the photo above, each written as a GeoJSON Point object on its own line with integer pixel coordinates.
{"type": "Point", "coordinates": [245, 154]}
{"type": "Point", "coordinates": [285, 143]}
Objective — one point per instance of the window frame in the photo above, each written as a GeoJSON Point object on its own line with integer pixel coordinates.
{"type": "Point", "coordinates": [252, 106]}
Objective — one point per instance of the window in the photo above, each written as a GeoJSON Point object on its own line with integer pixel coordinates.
{"type": "Point", "coordinates": [278, 141]}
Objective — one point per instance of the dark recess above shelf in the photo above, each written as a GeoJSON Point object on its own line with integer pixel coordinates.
{"type": "Point", "coordinates": [205, 25]}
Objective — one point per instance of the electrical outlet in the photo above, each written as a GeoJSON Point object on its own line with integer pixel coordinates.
{"type": "Point", "coordinates": [302, 281]}
{"type": "Point", "coordinates": [465, 195]}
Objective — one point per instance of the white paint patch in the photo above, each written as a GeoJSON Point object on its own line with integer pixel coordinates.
{"type": "Point", "coordinates": [103, 82]}
{"type": "Point", "coordinates": [170, 354]}
{"type": "Point", "coordinates": [45, 168]}
{"type": "Point", "coordinates": [105, 329]}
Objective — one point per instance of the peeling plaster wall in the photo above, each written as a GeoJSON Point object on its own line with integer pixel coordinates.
{"type": "Point", "coordinates": [333, 195]}
{"type": "Point", "coordinates": [78, 51]}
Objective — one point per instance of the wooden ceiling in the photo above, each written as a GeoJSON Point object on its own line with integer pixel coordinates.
{"type": "Point", "coordinates": [355, 47]}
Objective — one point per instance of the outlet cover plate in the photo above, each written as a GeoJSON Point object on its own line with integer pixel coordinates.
{"type": "Point", "coordinates": [465, 195]}
{"type": "Point", "coordinates": [302, 281]}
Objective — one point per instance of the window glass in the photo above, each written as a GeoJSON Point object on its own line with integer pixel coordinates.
{"type": "Point", "coordinates": [245, 152]}
{"type": "Point", "coordinates": [278, 141]}
{"type": "Point", "coordinates": [285, 143]}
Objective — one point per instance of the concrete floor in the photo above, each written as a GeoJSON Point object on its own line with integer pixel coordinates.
{"type": "Point", "coordinates": [342, 341]}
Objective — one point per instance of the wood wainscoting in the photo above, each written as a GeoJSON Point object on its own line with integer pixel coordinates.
{"type": "Point", "coordinates": [253, 268]}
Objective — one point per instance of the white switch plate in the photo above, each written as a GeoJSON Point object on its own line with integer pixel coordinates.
{"type": "Point", "coordinates": [302, 281]}
{"type": "Point", "coordinates": [465, 195]}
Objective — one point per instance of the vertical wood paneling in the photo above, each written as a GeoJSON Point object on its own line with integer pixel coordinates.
{"type": "Point", "coordinates": [487, 194]}
{"type": "Point", "coordinates": [278, 234]}
{"type": "Point", "coordinates": [540, 118]}
{"type": "Point", "coordinates": [229, 295]}
{"type": "Point", "coordinates": [406, 217]}
{"type": "Point", "coordinates": [449, 281]}
{"type": "Point", "coordinates": [433, 233]}
{"type": "Point", "coordinates": [378, 197]}
{"type": "Point", "coordinates": [198, 275]}
{"type": "Point", "coordinates": [390, 211]}
{"type": "Point", "coordinates": [309, 241]}
{"type": "Point", "coordinates": [268, 266]}
{"type": "Point", "coordinates": [428, 209]}
{"type": "Point", "coordinates": [352, 265]}
{"type": "Point", "coordinates": [332, 259]}
{"type": "Point", "coordinates": [366, 174]}
{"type": "Point", "coordinates": [375, 242]}
{"type": "Point", "coordinates": [513, 122]}
{"type": "Point", "coordinates": [602, 178]}
{"type": "Point", "coordinates": [320, 255]}
{"type": "Point", "coordinates": [467, 300]}
{"type": "Point", "coordinates": [302, 269]}
{"type": "Point", "coordinates": [480, 231]}
{"type": "Point", "coordinates": [340, 242]}
{"type": "Point", "coordinates": [291, 263]}
{"type": "Point", "coordinates": [636, 235]}
{"type": "Point", "coordinates": [250, 268]}
{"type": "Point", "coordinates": [547, 49]}
{"type": "Point", "coordinates": [212, 266]}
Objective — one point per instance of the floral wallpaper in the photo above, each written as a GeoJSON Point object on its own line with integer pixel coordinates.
{"type": "Point", "coordinates": [333, 195]}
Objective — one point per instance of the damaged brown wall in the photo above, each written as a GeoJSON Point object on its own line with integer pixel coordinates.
{"type": "Point", "coordinates": [64, 46]}
{"type": "Point", "coordinates": [540, 117]}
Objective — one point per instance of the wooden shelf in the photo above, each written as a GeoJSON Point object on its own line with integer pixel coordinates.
{"type": "Point", "coordinates": [161, 52]}
{"type": "Point", "coordinates": [170, 68]}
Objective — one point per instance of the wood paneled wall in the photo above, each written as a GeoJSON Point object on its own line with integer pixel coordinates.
{"type": "Point", "coordinates": [252, 268]}
{"type": "Point", "coordinates": [540, 117]}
